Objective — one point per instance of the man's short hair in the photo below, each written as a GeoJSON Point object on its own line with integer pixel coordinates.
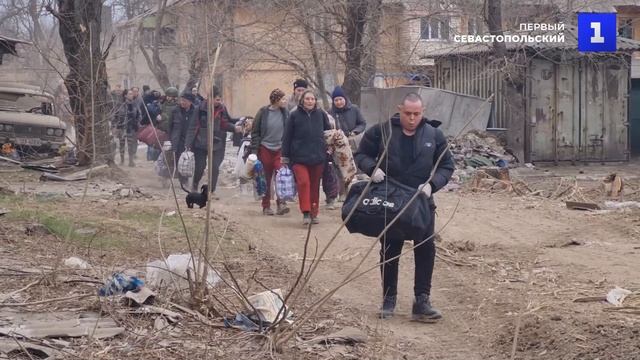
{"type": "Point", "coordinates": [412, 97]}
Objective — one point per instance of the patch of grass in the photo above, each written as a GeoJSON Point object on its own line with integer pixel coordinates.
{"type": "Point", "coordinates": [81, 232]}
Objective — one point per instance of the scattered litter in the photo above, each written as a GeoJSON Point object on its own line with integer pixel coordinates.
{"type": "Point", "coordinates": [529, 166]}
{"type": "Point", "coordinates": [479, 149]}
{"type": "Point", "coordinates": [348, 336]}
{"type": "Point", "coordinates": [269, 306]}
{"type": "Point", "coordinates": [120, 283]}
{"type": "Point", "coordinates": [617, 295]}
{"type": "Point", "coordinates": [575, 205]}
{"type": "Point", "coordinates": [58, 324]}
{"type": "Point", "coordinates": [171, 213]}
{"type": "Point", "coordinates": [173, 272]}
{"type": "Point", "coordinates": [622, 205]}
{"type": "Point", "coordinates": [143, 296]}
{"type": "Point", "coordinates": [76, 263]}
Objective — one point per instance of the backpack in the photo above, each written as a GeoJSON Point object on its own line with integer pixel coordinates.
{"type": "Point", "coordinates": [381, 204]}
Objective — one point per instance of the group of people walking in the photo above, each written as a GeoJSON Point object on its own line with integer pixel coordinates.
{"type": "Point", "coordinates": [290, 132]}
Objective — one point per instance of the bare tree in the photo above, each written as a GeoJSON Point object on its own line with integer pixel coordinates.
{"type": "Point", "coordinates": [155, 63]}
{"type": "Point", "coordinates": [86, 82]}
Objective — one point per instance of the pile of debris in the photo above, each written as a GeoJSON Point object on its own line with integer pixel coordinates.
{"type": "Point", "coordinates": [476, 149]}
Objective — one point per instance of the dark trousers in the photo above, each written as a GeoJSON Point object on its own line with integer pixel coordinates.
{"type": "Point", "coordinates": [201, 163]}
{"type": "Point", "coordinates": [424, 254]}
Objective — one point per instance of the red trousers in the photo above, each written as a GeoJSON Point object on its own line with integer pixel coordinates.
{"type": "Point", "coordinates": [308, 183]}
{"type": "Point", "coordinates": [271, 161]}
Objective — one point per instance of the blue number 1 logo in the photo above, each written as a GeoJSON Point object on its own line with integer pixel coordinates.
{"type": "Point", "coordinates": [596, 38]}
{"type": "Point", "coordinates": [597, 32]}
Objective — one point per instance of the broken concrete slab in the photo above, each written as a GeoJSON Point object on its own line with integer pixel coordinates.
{"type": "Point", "coordinates": [57, 325]}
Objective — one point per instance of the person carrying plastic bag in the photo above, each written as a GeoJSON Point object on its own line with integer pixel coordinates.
{"type": "Point", "coordinates": [266, 143]}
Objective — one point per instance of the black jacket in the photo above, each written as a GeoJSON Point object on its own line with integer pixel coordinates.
{"type": "Point", "coordinates": [349, 119]}
{"type": "Point", "coordinates": [128, 117]}
{"type": "Point", "coordinates": [303, 139]}
{"type": "Point", "coordinates": [178, 125]}
{"type": "Point", "coordinates": [197, 132]}
{"type": "Point", "coordinates": [429, 142]}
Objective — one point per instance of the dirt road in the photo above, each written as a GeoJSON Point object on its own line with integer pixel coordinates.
{"type": "Point", "coordinates": [522, 262]}
{"type": "Point", "coordinates": [509, 267]}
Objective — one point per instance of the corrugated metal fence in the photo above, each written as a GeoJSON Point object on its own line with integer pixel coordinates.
{"type": "Point", "coordinates": [473, 76]}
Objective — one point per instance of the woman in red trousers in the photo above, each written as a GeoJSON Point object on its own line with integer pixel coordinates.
{"type": "Point", "coordinates": [304, 149]}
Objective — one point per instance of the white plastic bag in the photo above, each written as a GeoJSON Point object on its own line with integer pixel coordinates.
{"type": "Point", "coordinates": [187, 164]}
{"type": "Point", "coordinates": [173, 272]}
{"type": "Point", "coordinates": [240, 170]}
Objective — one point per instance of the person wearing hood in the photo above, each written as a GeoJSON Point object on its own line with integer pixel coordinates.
{"type": "Point", "coordinates": [348, 115]}
{"type": "Point", "coordinates": [350, 120]}
{"type": "Point", "coordinates": [305, 150]}
{"type": "Point", "coordinates": [415, 146]}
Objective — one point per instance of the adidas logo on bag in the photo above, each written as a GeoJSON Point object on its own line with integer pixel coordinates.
{"type": "Point", "coordinates": [376, 201]}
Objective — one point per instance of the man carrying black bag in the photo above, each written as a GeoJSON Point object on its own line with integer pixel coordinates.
{"type": "Point", "coordinates": [414, 148]}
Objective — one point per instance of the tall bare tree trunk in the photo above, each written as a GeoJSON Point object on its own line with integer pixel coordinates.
{"type": "Point", "coordinates": [370, 60]}
{"type": "Point", "coordinates": [512, 89]}
{"type": "Point", "coordinates": [356, 20]}
{"type": "Point", "coordinates": [156, 65]}
{"type": "Point", "coordinates": [86, 83]}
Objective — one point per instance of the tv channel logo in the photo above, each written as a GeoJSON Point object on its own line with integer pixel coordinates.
{"type": "Point", "coordinates": [597, 32]}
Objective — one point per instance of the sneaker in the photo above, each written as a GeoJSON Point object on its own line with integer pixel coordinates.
{"type": "Point", "coordinates": [423, 312]}
{"type": "Point", "coordinates": [282, 209]}
{"type": "Point", "coordinates": [341, 198]}
{"type": "Point", "coordinates": [331, 204]}
{"type": "Point", "coordinates": [306, 219]}
{"type": "Point", "coordinates": [388, 307]}
{"type": "Point", "coordinates": [315, 220]}
{"type": "Point", "coordinates": [268, 212]}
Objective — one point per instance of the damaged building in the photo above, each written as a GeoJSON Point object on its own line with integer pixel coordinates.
{"type": "Point", "coordinates": [552, 102]}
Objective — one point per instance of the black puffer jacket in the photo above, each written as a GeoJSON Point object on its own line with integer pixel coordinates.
{"type": "Point", "coordinates": [303, 139]}
{"type": "Point", "coordinates": [349, 119]}
{"type": "Point", "coordinates": [429, 142]}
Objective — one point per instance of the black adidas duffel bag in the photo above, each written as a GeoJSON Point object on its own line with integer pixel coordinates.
{"type": "Point", "coordinates": [381, 204]}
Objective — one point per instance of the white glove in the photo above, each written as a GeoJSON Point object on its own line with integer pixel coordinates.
{"type": "Point", "coordinates": [426, 189]}
{"type": "Point", "coordinates": [377, 176]}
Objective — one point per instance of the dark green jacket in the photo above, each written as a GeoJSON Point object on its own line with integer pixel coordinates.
{"type": "Point", "coordinates": [260, 126]}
